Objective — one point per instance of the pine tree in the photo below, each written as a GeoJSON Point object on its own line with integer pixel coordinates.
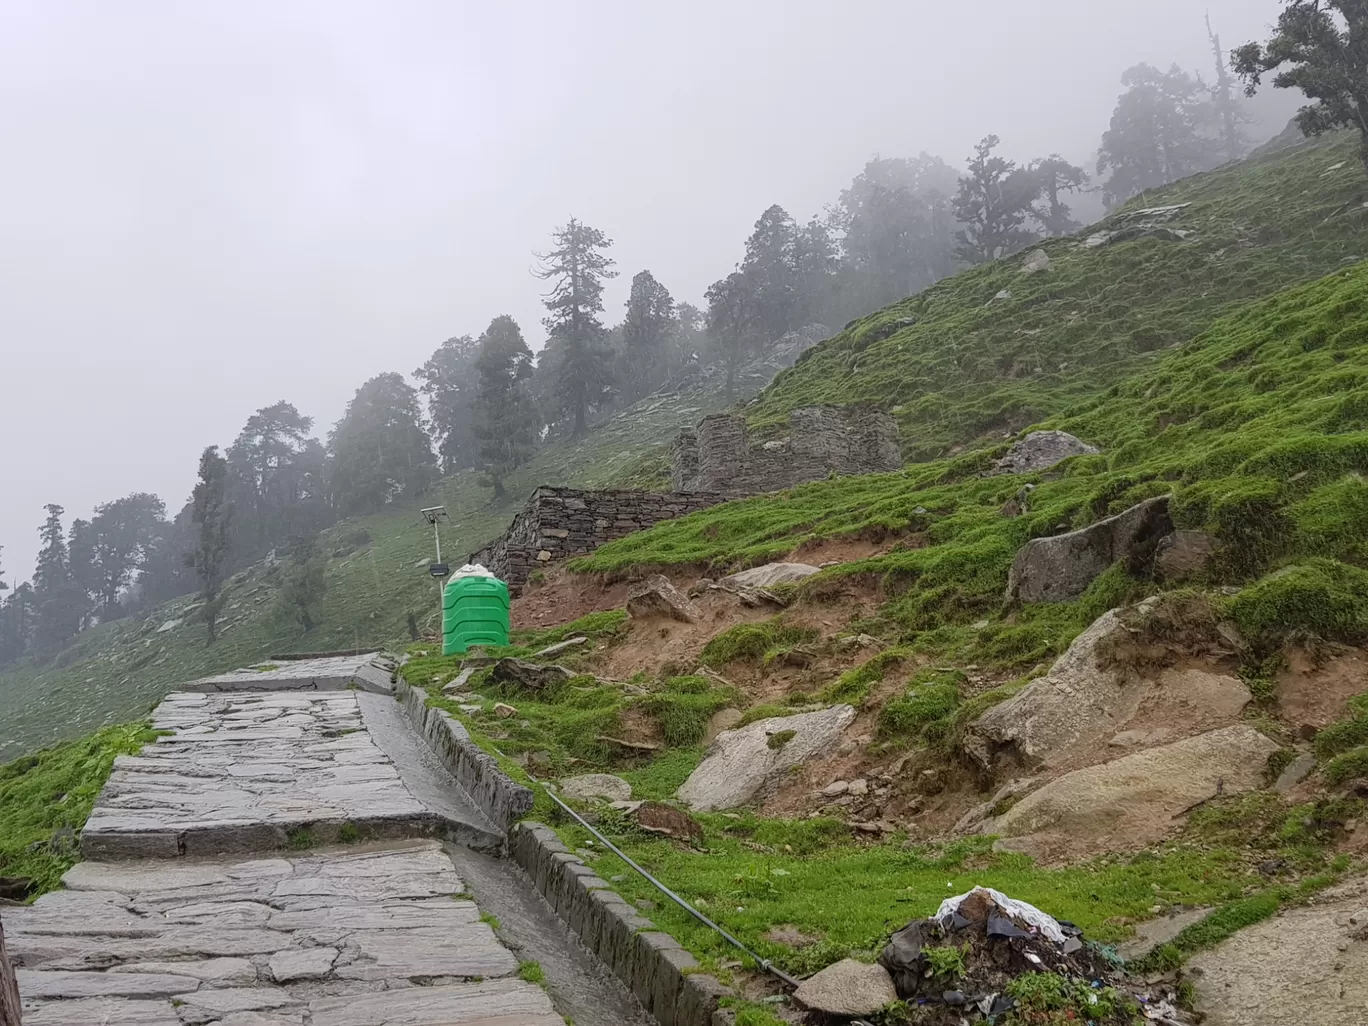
{"type": "Point", "coordinates": [305, 583]}
{"type": "Point", "coordinates": [379, 451]}
{"type": "Point", "coordinates": [770, 269]}
{"type": "Point", "coordinates": [448, 381]}
{"type": "Point", "coordinates": [123, 533]}
{"type": "Point", "coordinates": [577, 269]}
{"type": "Point", "coordinates": [212, 514]}
{"type": "Point", "coordinates": [59, 604]}
{"type": "Point", "coordinates": [17, 620]}
{"type": "Point", "coordinates": [267, 465]}
{"type": "Point", "coordinates": [1056, 175]}
{"type": "Point", "coordinates": [1223, 95]}
{"type": "Point", "coordinates": [993, 203]}
{"type": "Point", "coordinates": [51, 571]}
{"type": "Point", "coordinates": [646, 332]}
{"type": "Point", "coordinates": [1321, 48]}
{"type": "Point", "coordinates": [81, 557]}
{"type": "Point", "coordinates": [506, 420]}
{"type": "Point", "coordinates": [733, 323]}
{"type": "Point", "coordinates": [1163, 129]}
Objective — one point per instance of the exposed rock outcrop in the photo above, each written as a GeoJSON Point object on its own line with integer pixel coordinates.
{"type": "Point", "coordinates": [1061, 567]}
{"type": "Point", "coordinates": [1041, 450]}
{"type": "Point", "coordinates": [1136, 800]}
{"type": "Point", "coordinates": [847, 988]}
{"type": "Point", "coordinates": [1091, 693]}
{"type": "Point", "coordinates": [745, 764]}
{"type": "Point", "coordinates": [770, 574]}
{"type": "Point", "coordinates": [656, 596]}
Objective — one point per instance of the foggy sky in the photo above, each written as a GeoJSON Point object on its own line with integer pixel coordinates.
{"type": "Point", "coordinates": [205, 208]}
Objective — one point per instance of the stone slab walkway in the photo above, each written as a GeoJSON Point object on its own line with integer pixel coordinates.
{"type": "Point", "coordinates": [250, 771]}
{"type": "Point", "coordinates": [344, 937]}
{"type": "Point", "coordinates": [322, 673]}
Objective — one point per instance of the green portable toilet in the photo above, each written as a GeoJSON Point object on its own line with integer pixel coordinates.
{"type": "Point", "coordinates": [474, 610]}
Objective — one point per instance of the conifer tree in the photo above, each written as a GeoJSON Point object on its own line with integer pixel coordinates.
{"type": "Point", "coordinates": [577, 268]}
{"type": "Point", "coordinates": [506, 421]}
{"type": "Point", "coordinates": [212, 515]}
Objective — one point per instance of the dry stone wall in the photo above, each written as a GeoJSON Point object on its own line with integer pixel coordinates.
{"type": "Point", "coordinates": [558, 523]}
{"type": "Point", "coordinates": [718, 454]}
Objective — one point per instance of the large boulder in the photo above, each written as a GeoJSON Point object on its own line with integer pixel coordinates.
{"type": "Point", "coordinates": [1041, 450]}
{"type": "Point", "coordinates": [847, 988]}
{"type": "Point", "coordinates": [1061, 567]}
{"type": "Point", "coordinates": [1134, 801]}
{"type": "Point", "coordinates": [770, 574]}
{"type": "Point", "coordinates": [656, 596]}
{"type": "Point", "coordinates": [1093, 692]}
{"type": "Point", "coordinates": [741, 765]}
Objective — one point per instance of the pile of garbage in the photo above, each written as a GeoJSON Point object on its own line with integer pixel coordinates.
{"type": "Point", "coordinates": [967, 963]}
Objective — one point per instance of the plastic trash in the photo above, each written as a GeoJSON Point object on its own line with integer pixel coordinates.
{"type": "Point", "coordinates": [472, 570]}
{"type": "Point", "coordinates": [1046, 924]}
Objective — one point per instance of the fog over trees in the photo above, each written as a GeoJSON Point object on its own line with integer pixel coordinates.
{"type": "Point", "coordinates": [488, 398]}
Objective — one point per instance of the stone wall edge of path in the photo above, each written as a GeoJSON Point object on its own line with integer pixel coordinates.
{"type": "Point", "coordinates": [654, 966]}
{"type": "Point", "coordinates": [497, 795]}
{"type": "Point", "coordinates": [9, 986]}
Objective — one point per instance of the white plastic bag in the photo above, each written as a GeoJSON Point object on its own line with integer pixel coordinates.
{"type": "Point", "coordinates": [1047, 925]}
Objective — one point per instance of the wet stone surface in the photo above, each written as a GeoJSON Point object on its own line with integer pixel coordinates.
{"type": "Point", "coordinates": [322, 674]}
{"type": "Point", "coordinates": [236, 769]}
{"type": "Point", "coordinates": [338, 937]}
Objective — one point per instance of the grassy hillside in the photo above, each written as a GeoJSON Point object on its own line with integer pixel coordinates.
{"type": "Point", "coordinates": [116, 672]}
{"type": "Point", "coordinates": [1258, 427]}
{"type": "Point", "coordinates": [959, 365]}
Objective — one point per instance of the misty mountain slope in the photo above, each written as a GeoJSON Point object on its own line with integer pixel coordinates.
{"type": "Point", "coordinates": [375, 578]}
{"type": "Point", "coordinates": [959, 366]}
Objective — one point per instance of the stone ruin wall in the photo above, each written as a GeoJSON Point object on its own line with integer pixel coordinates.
{"type": "Point", "coordinates": [718, 455]}
{"type": "Point", "coordinates": [557, 523]}
{"type": "Point", "coordinates": [712, 463]}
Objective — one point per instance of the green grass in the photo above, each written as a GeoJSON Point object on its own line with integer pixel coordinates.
{"type": "Point", "coordinates": [46, 797]}
{"type": "Point", "coordinates": [754, 642]}
{"type": "Point", "coordinates": [813, 874]}
{"type": "Point", "coordinates": [957, 369]}
{"type": "Point", "coordinates": [1256, 428]}
{"type": "Point", "coordinates": [531, 972]}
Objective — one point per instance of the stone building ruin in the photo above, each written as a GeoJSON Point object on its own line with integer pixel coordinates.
{"type": "Point", "coordinates": [712, 463]}
{"type": "Point", "coordinates": [718, 456]}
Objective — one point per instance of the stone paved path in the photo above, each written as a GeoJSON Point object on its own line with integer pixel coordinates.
{"type": "Point", "coordinates": [337, 938]}
{"type": "Point", "coordinates": [204, 903]}
{"type": "Point", "coordinates": [246, 771]}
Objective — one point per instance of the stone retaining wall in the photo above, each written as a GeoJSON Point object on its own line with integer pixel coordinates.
{"type": "Point", "coordinates": [497, 795]}
{"type": "Point", "coordinates": [663, 976]}
{"type": "Point", "coordinates": [558, 523]}
{"type": "Point", "coordinates": [9, 988]}
{"type": "Point", "coordinates": [823, 440]}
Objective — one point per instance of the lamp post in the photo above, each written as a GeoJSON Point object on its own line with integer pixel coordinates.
{"type": "Point", "coordinates": [435, 515]}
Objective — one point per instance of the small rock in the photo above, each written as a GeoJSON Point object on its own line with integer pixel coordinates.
{"type": "Point", "coordinates": [504, 711]}
{"type": "Point", "coordinates": [562, 646]}
{"type": "Point", "coordinates": [529, 676]}
{"type": "Point", "coordinates": [859, 787]}
{"type": "Point", "coordinates": [1041, 450]}
{"type": "Point", "coordinates": [590, 786]}
{"type": "Point", "coordinates": [1296, 771]}
{"type": "Point", "coordinates": [836, 788]}
{"type": "Point", "coordinates": [847, 988]}
{"type": "Point", "coordinates": [656, 596]}
{"type": "Point", "coordinates": [770, 574]}
{"type": "Point", "coordinates": [659, 818]}
{"type": "Point", "coordinates": [1035, 262]}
